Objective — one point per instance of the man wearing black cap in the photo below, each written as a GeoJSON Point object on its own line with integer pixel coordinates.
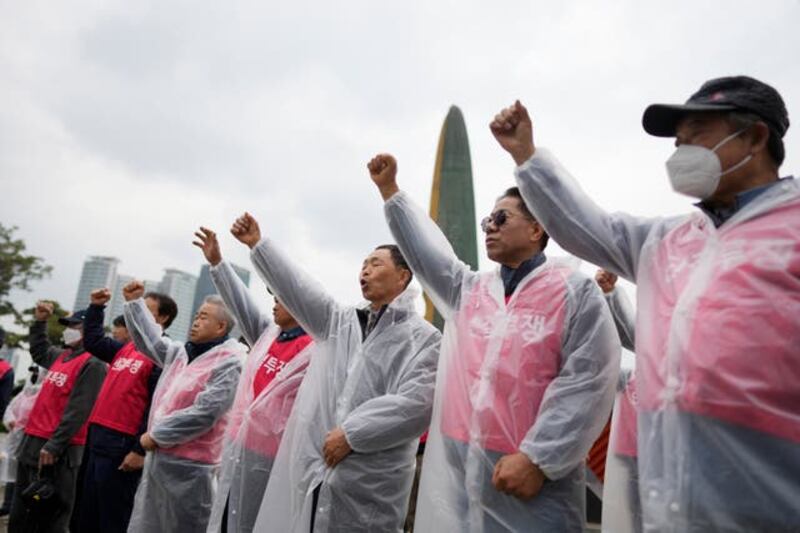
{"type": "Point", "coordinates": [718, 300]}
{"type": "Point", "coordinates": [56, 430]}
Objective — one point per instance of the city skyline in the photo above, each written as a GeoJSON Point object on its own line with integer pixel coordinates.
{"type": "Point", "coordinates": [187, 289]}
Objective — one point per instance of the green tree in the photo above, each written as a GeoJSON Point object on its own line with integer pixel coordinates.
{"type": "Point", "coordinates": [54, 329]}
{"type": "Point", "coordinates": [18, 271]}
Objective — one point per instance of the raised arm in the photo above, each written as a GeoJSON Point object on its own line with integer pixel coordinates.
{"type": "Point", "coordinates": [422, 242]}
{"type": "Point", "coordinates": [302, 296]}
{"type": "Point", "coordinates": [209, 405]}
{"type": "Point", "coordinates": [43, 353]}
{"type": "Point", "coordinates": [611, 241]}
{"type": "Point", "coordinates": [94, 338]}
{"type": "Point", "coordinates": [577, 403]}
{"type": "Point", "coordinates": [394, 419]}
{"type": "Point", "coordinates": [232, 289]}
{"type": "Point", "coordinates": [145, 332]}
{"type": "Point", "coordinates": [620, 307]}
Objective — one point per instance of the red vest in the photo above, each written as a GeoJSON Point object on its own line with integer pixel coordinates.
{"type": "Point", "coordinates": [5, 368]}
{"type": "Point", "coordinates": [124, 396]}
{"type": "Point", "coordinates": [56, 389]}
{"type": "Point", "coordinates": [278, 355]}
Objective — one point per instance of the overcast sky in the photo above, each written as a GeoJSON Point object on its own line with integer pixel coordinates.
{"type": "Point", "coordinates": [125, 125]}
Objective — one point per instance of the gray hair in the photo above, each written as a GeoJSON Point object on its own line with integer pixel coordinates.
{"type": "Point", "coordinates": [742, 120]}
{"type": "Point", "coordinates": [223, 313]}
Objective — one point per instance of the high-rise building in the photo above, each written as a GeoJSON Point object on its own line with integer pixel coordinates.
{"type": "Point", "coordinates": [180, 286]}
{"type": "Point", "coordinates": [205, 287]}
{"type": "Point", "coordinates": [152, 286]}
{"type": "Point", "coordinates": [98, 272]}
{"type": "Point", "coordinates": [452, 197]}
{"type": "Point", "coordinates": [117, 302]}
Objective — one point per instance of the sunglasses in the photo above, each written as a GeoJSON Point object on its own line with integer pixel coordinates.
{"type": "Point", "coordinates": [498, 218]}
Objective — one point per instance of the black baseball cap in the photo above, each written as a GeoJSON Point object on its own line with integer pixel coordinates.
{"type": "Point", "coordinates": [74, 319]}
{"type": "Point", "coordinates": [732, 93]}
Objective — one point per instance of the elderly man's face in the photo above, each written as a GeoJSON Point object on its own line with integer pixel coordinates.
{"type": "Point", "coordinates": [517, 238]}
{"type": "Point", "coordinates": [381, 279]}
{"type": "Point", "coordinates": [208, 324]}
{"type": "Point", "coordinates": [708, 130]}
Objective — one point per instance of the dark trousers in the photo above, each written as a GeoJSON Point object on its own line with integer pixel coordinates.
{"type": "Point", "coordinates": [8, 497]}
{"type": "Point", "coordinates": [108, 492]}
{"type": "Point", "coordinates": [22, 520]}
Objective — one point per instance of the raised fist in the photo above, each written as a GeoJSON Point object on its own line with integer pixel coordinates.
{"type": "Point", "coordinates": [513, 129]}
{"type": "Point", "coordinates": [208, 243]}
{"type": "Point", "coordinates": [246, 230]}
{"type": "Point", "coordinates": [383, 171]}
{"type": "Point", "coordinates": [606, 280]}
{"type": "Point", "coordinates": [100, 296]}
{"type": "Point", "coordinates": [133, 290]}
{"type": "Point", "coordinates": [43, 310]}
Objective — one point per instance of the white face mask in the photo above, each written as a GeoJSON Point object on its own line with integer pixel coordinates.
{"type": "Point", "coordinates": [695, 170]}
{"type": "Point", "coordinates": [71, 336]}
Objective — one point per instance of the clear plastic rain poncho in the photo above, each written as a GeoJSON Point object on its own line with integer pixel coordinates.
{"type": "Point", "coordinates": [256, 422]}
{"type": "Point", "coordinates": [188, 417]}
{"type": "Point", "coordinates": [16, 415]}
{"type": "Point", "coordinates": [717, 338]}
{"type": "Point", "coordinates": [533, 373]}
{"type": "Point", "coordinates": [622, 511]}
{"type": "Point", "coordinates": [379, 390]}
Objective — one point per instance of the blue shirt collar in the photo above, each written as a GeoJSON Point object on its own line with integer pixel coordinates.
{"type": "Point", "coordinates": [720, 215]}
{"type": "Point", "coordinates": [512, 276]}
{"type": "Point", "coordinates": [291, 334]}
{"type": "Point", "coordinates": [195, 350]}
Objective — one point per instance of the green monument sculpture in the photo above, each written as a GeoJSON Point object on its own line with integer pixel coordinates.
{"type": "Point", "coordinates": [452, 196]}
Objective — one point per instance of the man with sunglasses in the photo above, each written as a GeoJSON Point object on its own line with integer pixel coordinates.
{"type": "Point", "coordinates": [718, 295]}
{"type": "Point", "coordinates": [527, 371]}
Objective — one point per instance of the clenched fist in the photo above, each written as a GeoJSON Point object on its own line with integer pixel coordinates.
{"type": "Point", "coordinates": [208, 243]}
{"type": "Point", "coordinates": [133, 290]}
{"type": "Point", "coordinates": [246, 230]}
{"type": "Point", "coordinates": [606, 280]}
{"type": "Point", "coordinates": [43, 310]}
{"type": "Point", "coordinates": [383, 171]}
{"type": "Point", "coordinates": [513, 129]}
{"type": "Point", "coordinates": [515, 474]}
{"type": "Point", "coordinates": [100, 296]}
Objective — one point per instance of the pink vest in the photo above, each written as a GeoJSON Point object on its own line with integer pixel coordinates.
{"type": "Point", "coordinates": [123, 398]}
{"type": "Point", "coordinates": [506, 356]}
{"type": "Point", "coordinates": [267, 392]}
{"type": "Point", "coordinates": [178, 388]}
{"type": "Point", "coordinates": [718, 331]}
{"type": "Point", "coordinates": [53, 397]}
{"type": "Point", "coordinates": [624, 430]}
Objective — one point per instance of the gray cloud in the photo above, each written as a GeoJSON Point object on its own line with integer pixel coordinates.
{"type": "Point", "coordinates": [124, 126]}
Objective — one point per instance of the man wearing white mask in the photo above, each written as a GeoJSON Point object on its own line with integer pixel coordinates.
{"type": "Point", "coordinates": [718, 300]}
{"type": "Point", "coordinates": [55, 433]}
